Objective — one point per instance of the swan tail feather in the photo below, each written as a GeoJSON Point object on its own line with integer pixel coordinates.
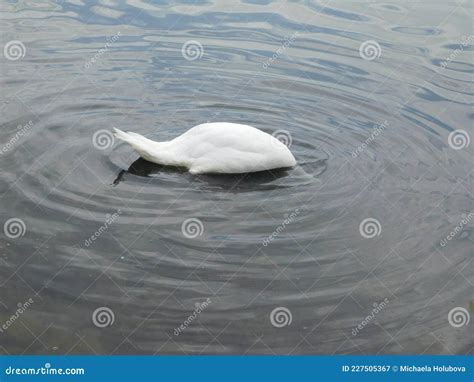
{"type": "Point", "coordinates": [137, 141]}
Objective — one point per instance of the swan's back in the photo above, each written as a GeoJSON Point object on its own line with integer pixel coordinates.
{"type": "Point", "coordinates": [232, 148]}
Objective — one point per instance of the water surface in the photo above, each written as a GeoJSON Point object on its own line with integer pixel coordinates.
{"type": "Point", "coordinates": [380, 133]}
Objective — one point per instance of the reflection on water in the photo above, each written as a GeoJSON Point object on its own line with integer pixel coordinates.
{"type": "Point", "coordinates": [115, 253]}
{"type": "Point", "coordinates": [226, 182]}
{"type": "Point", "coordinates": [142, 167]}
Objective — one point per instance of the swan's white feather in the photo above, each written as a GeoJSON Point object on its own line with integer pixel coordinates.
{"type": "Point", "coordinates": [218, 147]}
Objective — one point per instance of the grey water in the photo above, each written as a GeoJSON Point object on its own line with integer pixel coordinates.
{"type": "Point", "coordinates": [365, 247]}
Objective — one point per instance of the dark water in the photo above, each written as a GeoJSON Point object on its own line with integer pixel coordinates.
{"type": "Point", "coordinates": [382, 135]}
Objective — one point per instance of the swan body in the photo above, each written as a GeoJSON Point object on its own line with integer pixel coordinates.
{"type": "Point", "coordinates": [219, 147]}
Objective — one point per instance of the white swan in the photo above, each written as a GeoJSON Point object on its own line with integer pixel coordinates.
{"type": "Point", "coordinates": [218, 147]}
